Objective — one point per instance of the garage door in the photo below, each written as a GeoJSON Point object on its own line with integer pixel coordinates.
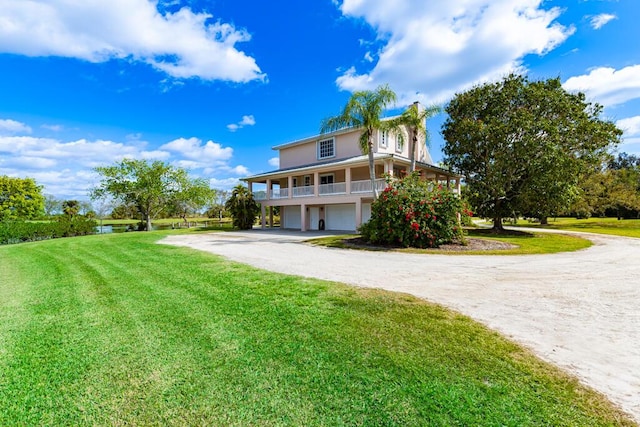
{"type": "Point", "coordinates": [341, 217]}
{"type": "Point", "coordinates": [291, 217]}
{"type": "Point", "coordinates": [366, 212]}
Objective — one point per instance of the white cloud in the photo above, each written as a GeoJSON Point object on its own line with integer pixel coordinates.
{"type": "Point", "coordinates": [601, 20]}
{"type": "Point", "coordinates": [55, 128]}
{"type": "Point", "coordinates": [607, 85]}
{"type": "Point", "coordinates": [65, 168]}
{"type": "Point", "coordinates": [438, 48]}
{"type": "Point", "coordinates": [182, 44]}
{"type": "Point", "coordinates": [275, 162]}
{"type": "Point", "coordinates": [630, 126]}
{"type": "Point", "coordinates": [246, 121]}
{"type": "Point", "coordinates": [12, 127]}
{"type": "Point", "coordinates": [202, 154]}
{"type": "Point", "coordinates": [224, 183]}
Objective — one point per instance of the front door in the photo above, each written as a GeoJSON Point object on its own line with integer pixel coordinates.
{"type": "Point", "coordinates": [314, 218]}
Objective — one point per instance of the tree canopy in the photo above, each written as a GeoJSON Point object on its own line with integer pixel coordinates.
{"type": "Point", "coordinates": [522, 145]}
{"type": "Point", "coordinates": [363, 110]}
{"type": "Point", "coordinates": [414, 119]}
{"type": "Point", "coordinates": [150, 186]}
{"type": "Point", "coordinates": [20, 198]}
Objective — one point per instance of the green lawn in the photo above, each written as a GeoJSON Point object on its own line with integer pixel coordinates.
{"type": "Point", "coordinates": [625, 227]}
{"type": "Point", "coordinates": [118, 330]}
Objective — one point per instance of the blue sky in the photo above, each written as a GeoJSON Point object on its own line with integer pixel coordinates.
{"type": "Point", "coordinates": [212, 85]}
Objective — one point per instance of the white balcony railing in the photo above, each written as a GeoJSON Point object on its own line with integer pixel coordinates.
{"type": "Point", "coordinates": [305, 191]}
{"type": "Point", "coordinates": [365, 186]}
{"type": "Point", "coordinates": [280, 193]}
{"type": "Point", "coordinates": [334, 188]}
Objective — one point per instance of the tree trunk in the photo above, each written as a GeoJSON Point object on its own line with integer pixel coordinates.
{"type": "Point", "coordinates": [544, 220]}
{"type": "Point", "coordinates": [149, 228]}
{"type": "Point", "coordinates": [412, 154]}
{"type": "Point", "coordinates": [372, 170]}
{"type": "Point", "coordinates": [497, 224]}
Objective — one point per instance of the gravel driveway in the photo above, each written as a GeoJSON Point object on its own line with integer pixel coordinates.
{"type": "Point", "coordinates": [579, 310]}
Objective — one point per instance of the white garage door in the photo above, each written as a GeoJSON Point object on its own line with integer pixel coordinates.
{"type": "Point", "coordinates": [291, 217]}
{"type": "Point", "coordinates": [341, 217]}
{"type": "Point", "coordinates": [366, 212]}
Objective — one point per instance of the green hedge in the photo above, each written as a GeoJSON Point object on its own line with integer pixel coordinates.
{"type": "Point", "coordinates": [21, 231]}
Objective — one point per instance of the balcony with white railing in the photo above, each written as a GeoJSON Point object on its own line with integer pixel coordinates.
{"type": "Point", "coordinates": [280, 193]}
{"type": "Point", "coordinates": [365, 186]}
{"type": "Point", "coordinates": [305, 191]}
{"type": "Point", "coordinates": [332, 189]}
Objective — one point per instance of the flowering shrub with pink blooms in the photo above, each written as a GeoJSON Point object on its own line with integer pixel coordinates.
{"type": "Point", "coordinates": [411, 212]}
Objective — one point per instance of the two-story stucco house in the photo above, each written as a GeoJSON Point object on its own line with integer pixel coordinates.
{"type": "Point", "coordinates": [323, 181]}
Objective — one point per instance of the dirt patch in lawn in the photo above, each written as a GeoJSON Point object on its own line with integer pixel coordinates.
{"type": "Point", "coordinates": [472, 244]}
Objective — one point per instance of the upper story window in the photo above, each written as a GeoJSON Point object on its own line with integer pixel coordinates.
{"type": "Point", "coordinates": [399, 142]}
{"type": "Point", "coordinates": [383, 137]}
{"type": "Point", "coordinates": [326, 148]}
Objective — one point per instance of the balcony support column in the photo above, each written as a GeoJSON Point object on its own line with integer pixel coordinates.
{"type": "Point", "coordinates": [303, 217]}
{"type": "Point", "coordinates": [263, 216]}
{"type": "Point", "coordinates": [347, 180]}
{"type": "Point", "coordinates": [270, 216]}
{"type": "Point", "coordinates": [358, 212]}
{"type": "Point", "coordinates": [268, 189]}
{"type": "Point", "coordinates": [290, 185]}
{"type": "Point", "coordinates": [316, 183]}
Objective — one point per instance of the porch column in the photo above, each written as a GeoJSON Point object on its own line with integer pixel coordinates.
{"type": "Point", "coordinates": [270, 216]}
{"type": "Point", "coordinates": [358, 212]}
{"type": "Point", "coordinates": [263, 216]}
{"type": "Point", "coordinates": [347, 179]}
{"type": "Point", "coordinates": [303, 218]}
{"type": "Point", "coordinates": [316, 183]}
{"type": "Point", "coordinates": [250, 186]}
{"type": "Point", "coordinates": [458, 189]}
{"type": "Point", "coordinates": [290, 185]}
{"type": "Point", "coordinates": [388, 167]}
{"type": "Point", "coordinates": [268, 189]}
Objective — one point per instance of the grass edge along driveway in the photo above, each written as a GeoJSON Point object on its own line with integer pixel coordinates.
{"type": "Point", "coordinates": [116, 329]}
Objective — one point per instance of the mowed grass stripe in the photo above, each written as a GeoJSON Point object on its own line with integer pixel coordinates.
{"type": "Point", "coordinates": [113, 330]}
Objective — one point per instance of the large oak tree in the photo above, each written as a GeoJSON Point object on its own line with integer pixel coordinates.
{"type": "Point", "coordinates": [20, 198]}
{"type": "Point", "coordinates": [522, 145]}
{"type": "Point", "coordinates": [150, 186]}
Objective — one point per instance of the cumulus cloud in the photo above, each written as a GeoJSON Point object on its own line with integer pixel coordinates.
{"type": "Point", "coordinates": [201, 154]}
{"type": "Point", "coordinates": [439, 48]}
{"type": "Point", "coordinates": [607, 85]}
{"type": "Point", "coordinates": [54, 128]}
{"type": "Point", "coordinates": [65, 168]}
{"type": "Point", "coordinates": [224, 183]}
{"type": "Point", "coordinates": [182, 44]}
{"type": "Point", "coordinates": [630, 126]}
{"type": "Point", "coordinates": [275, 162]}
{"type": "Point", "coordinates": [11, 127]}
{"type": "Point", "coordinates": [246, 121]}
{"type": "Point", "coordinates": [601, 20]}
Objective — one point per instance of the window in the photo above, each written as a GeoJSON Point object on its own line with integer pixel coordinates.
{"type": "Point", "coordinates": [383, 138]}
{"type": "Point", "coordinates": [399, 142]}
{"type": "Point", "coordinates": [327, 179]}
{"type": "Point", "coordinates": [307, 180]}
{"type": "Point", "coordinates": [326, 148]}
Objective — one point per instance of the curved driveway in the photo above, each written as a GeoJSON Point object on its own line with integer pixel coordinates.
{"type": "Point", "coordinates": [578, 310]}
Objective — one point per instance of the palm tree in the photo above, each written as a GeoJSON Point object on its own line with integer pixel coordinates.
{"type": "Point", "coordinates": [363, 110]}
{"type": "Point", "coordinates": [243, 207]}
{"type": "Point", "coordinates": [414, 119]}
